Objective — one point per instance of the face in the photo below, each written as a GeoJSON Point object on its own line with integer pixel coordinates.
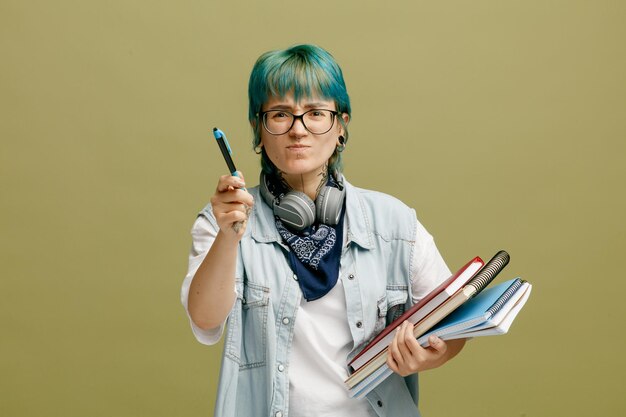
{"type": "Point", "coordinates": [300, 152]}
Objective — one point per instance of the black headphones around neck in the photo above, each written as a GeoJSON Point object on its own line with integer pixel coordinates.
{"type": "Point", "coordinates": [297, 211]}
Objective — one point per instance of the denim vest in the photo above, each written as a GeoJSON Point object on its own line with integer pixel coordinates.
{"type": "Point", "coordinates": [375, 267]}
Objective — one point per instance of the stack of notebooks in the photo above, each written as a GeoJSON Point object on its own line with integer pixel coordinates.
{"type": "Point", "coordinates": [457, 309]}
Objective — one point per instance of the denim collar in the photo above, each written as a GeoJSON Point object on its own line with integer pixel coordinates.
{"type": "Point", "coordinates": [261, 225]}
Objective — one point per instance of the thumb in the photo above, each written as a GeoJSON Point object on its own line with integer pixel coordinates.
{"type": "Point", "coordinates": [437, 344]}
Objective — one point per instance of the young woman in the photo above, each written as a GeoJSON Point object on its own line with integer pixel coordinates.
{"type": "Point", "coordinates": [306, 269]}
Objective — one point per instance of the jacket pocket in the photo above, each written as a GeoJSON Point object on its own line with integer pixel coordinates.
{"type": "Point", "coordinates": [391, 306]}
{"type": "Point", "coordinates": [397, 296]}
{"type": "Point", "coordinates": [247, 334]}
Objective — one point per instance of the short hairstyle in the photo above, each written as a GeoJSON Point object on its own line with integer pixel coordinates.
{"type": "Point", "coordinates": [305, 70]}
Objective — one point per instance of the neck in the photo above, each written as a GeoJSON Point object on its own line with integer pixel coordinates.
{"type": "Point", "coordinates": [310, 183]}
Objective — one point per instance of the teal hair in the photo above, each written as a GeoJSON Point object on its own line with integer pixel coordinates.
{"type": "Point", "coordinates": [304, 70]}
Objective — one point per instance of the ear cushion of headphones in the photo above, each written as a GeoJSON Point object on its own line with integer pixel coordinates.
{"type": "Point", "coordinates": [268, 197]}
{"type": "Point", "coordinates": [328, 205]}
{"type": "Point", "coordinates": [296, 210]}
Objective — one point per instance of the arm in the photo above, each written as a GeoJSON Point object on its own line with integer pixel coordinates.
{"type": "Point", "coordinates": [211, 293]}
{"type": "Point", "coordinates": [406, 356]}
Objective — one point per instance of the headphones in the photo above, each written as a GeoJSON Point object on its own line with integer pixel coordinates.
{"type": "Point", "coordinates": [298, 211]}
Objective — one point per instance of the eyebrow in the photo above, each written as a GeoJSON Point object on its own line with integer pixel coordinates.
{"type": "Point", "coordinates": [312, 105]}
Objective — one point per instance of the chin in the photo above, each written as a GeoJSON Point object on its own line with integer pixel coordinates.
{"type": "Point", "coordinates": [300, 169]}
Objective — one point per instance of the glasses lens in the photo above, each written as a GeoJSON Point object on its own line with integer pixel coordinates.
{"type": "Point", "coordinates": [318, 121]}
{"type": "Point", "coordinates": [277, 122]}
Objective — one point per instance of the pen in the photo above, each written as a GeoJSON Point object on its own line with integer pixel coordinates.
{"type": "Point", "coordinates": [222, 142]}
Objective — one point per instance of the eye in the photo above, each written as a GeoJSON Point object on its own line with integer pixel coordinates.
{"type": "Point", "coordinates": [318, 113]}
{"type": "Point", "coordinates": [279, 115]}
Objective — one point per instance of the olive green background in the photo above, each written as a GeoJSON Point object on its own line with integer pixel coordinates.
{"type": "Point", "coordinates": [502, 122]}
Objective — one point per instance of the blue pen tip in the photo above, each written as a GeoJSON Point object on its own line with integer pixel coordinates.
{"type": "Point", "coordinates": [217, 133]}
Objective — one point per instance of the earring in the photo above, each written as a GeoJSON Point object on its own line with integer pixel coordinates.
{"type": "Point", "coordinates": [342, 144]}
{"type": "Point", "coordinates": [258, 149]}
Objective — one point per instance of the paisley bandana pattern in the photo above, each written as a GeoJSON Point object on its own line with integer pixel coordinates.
{"type": "Point", "coordinates": [311, 249]}
{"type": "Point", "coordinates": [314, 256]}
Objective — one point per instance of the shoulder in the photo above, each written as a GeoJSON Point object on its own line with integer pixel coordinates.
{"type": "Point", "coordinates": [378, 201]}
{"type": "Point", "coordinates": [383, 213]}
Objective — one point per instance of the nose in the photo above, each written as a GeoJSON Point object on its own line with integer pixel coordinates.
{"type": "Point", "coordinates": [297, 129]}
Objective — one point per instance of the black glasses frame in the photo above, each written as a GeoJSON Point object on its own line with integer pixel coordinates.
{"type": "Point", "coordinates": [261, 115]}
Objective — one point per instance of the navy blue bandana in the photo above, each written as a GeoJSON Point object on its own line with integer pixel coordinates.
{"type": "Point", "coordinates": [314, 256]}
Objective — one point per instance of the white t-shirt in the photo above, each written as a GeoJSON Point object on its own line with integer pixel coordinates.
{"type": "Point", "coordinates": [321, 341]}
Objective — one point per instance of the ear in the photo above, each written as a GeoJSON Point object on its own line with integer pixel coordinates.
{"type": "Point", "coordinates": [254, 125]}
{"type": "Point", "coordinates": [346, 119]}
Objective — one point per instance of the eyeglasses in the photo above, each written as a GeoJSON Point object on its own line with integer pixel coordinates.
{"type": "Point", "coordinates": [316, 121]}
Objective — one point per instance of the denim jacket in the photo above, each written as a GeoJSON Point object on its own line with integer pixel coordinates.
{"type": "Point", "coordinates": [375, 267]}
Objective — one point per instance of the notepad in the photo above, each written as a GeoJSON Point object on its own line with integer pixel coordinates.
{"type": "Point", "coordinates": [479, 311]}
{"type": "Point", "coordinates": [420, 310]}
{"type": "Point", "coordinates": [490, 312]}
{"type": "Point", "coordinates": [478, 282]}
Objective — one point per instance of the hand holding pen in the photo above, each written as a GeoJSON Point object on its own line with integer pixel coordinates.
{"type": "Point", "coordinates": [231, 202]}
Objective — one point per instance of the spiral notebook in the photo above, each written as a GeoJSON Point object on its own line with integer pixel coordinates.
{"type": "Point", "coordinates": [501, 321]}
{"type": "Point", "coordinates": [486, 274]}
{"type": "Point", "coordinates": [420, 310]}
{"type": "Point", "coordinates": [490, 313]}
{"type": "Point", "coordinates": [485, 312]}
